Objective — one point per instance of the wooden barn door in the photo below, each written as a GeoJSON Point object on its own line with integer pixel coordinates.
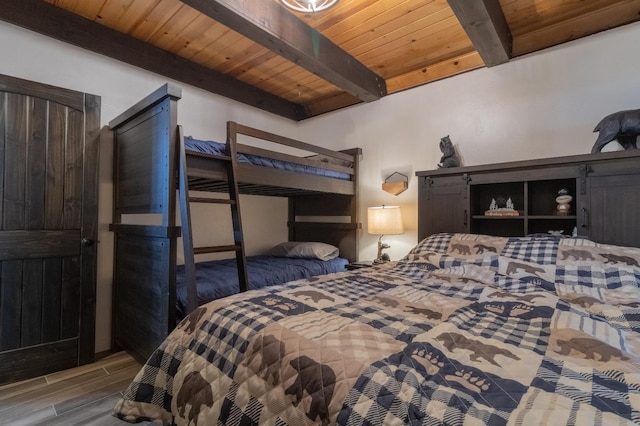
{"type": "Point", "coordinates": [48, 224]}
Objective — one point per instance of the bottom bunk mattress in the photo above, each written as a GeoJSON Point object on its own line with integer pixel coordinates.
{"type": "Point", "coordinates": [219, 278]}
{"type": "Point", "coordinates": [466, 329]}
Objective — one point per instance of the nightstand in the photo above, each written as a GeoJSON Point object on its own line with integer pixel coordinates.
{"type": "Point", "coordinates": [358, 265]}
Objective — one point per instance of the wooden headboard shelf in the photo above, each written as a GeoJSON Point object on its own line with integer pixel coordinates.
{"type": "Point", "coordinates": [605, 188]}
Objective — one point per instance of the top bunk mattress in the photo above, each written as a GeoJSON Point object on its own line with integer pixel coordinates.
{"type": "Point", "coordinates": [218, 148]}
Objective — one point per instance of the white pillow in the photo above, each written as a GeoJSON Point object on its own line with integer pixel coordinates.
{"type": "Point", "coordinates": [311, 250]}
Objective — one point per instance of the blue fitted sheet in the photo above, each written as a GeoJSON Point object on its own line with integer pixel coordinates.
{"type": "Point", "coordinates": [217, 148]}
{"type": "Point", "coordinates": [219, 278]}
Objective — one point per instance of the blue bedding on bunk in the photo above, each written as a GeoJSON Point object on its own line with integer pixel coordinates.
{"type": "Point", "coordinates": [217, 148]}
{"type": "Point", "coordinates": [219, 278]}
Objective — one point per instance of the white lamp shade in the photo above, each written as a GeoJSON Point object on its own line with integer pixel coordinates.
{"type": "Point", "coordinates": [384, 220]}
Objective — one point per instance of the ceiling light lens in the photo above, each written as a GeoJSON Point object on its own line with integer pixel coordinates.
{"type": "Point", "coordinates": [306, 6]}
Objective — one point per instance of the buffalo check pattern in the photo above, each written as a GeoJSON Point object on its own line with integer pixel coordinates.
{"type": "Point", "coordinates": [466, 329]}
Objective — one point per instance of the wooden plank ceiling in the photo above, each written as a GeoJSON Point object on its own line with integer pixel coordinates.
{"type": "Point", "coordinates": [302, 65]}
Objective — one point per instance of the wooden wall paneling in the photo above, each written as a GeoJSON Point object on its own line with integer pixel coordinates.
{"type": "Point", "coordinates": [58, 95]}
{"type": "Point", "coordinates": [10, 304]}
{"type": "Point", "coordinates": [443, 69]}
{"type": "Point", "coordinates": [138, 191]}
{"type": "Point", "coordinates": [32, 301]}
{"type": "Point", "coordinates": [563, 29]}
{"type": "Point", "coordinates": [70, 297]}
{"type": "Point", "coordinates": [3, 142]}
{"type": "Point", "coordinates": [172, 29]}
{"type": "Point", "coordinates": [525, 16]}
{"type": "Point", "coordinates": [427, 48]}
{"type": "Point", "coordinates": [148, 295]}
{"type": "Point", "coordinates": [14, 176]}
{"type": "Point", "coordinates": [89, 228]}
{"type": "Point", "coordinates": [196, 37]}
{"type": "Point", "coordinates": [443, 204]}
{"type": "Point", "coordinates": [305, 86]}
{"type": "Point", "coordinates": [426, 43]}
{"type": "Point", "coordinates": [15, 163]}
{"type": "Point", "coordinates": [247, 55]}
{"type": "Point", "coordinates": [349, 20]}
{"type": "Point", "coordinates": [54, 189]}
{"type": "Point", "coordinates": [323, 205]}
{"type": "Point", "coordinates": [130, 14]}
{"type": "Point", "coordinates": [39, 360]}
{"type": "Point", "coordinates": [35, 244]}
{"type": "Point", "coordinates": [52, 293]}
{"type": "Point", "coordinates": [440, 39]}
{"type": "Point", "coordinates": [36, 164]}
{"type": "Point", "coordinates": [613, 200]}
{"type": "Point", "coordinates": [331, 103]}
{"type": "Point", "coordinates": [73, 170]}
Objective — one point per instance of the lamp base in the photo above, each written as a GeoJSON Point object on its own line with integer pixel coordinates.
{"type": "Point", "coordinates": [382, 257]}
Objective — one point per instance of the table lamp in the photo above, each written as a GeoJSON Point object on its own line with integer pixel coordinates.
{"type": "Point", "coordinates": [384, 220]}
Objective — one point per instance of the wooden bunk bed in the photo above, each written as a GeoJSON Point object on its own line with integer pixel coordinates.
{"type": "Point", "coordinates": [148, 147]}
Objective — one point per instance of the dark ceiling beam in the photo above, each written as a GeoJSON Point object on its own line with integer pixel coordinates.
{"type": "Point", "coordinates": [330, 103]}
{"type": "Point", "coordinates": [57, 23]}
{"type": "Point", "coordinates": [269, 24]}
{"type": "Point", "coordinates": [486, 26]}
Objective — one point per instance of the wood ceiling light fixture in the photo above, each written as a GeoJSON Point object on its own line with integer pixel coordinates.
{"type": "Point", "coordinates": [306, 6]}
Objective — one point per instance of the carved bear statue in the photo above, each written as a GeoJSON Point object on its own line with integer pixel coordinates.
{"type": "Point", "coordinates": [449, 157]}
{"type": "Point", "coordinates": [623, 126]}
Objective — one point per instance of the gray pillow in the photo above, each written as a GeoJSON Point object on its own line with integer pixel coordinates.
{"type": "Point", "coordinates": [311, 250]}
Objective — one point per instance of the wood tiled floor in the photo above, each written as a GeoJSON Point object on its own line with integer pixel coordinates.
{"type": "Point", "coordinates": [80, 396]}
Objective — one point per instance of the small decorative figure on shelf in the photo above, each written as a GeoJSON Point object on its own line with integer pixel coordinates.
{"type": "Point", "coordinates": [563, 199]}
{"type": "Point", "coordinates": [501, 207]}
{"type": "Point", "coordinates": [509, 204]}
{"type": "Point", "coordinates": [449, 157]}
{"type": "Point", "coordinates": [623, 126]}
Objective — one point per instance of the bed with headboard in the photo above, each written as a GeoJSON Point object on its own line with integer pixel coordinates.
{"type": "Point", "coordinates": [465, 329]}
{"type": "Point", "coordinates": [150, 290]}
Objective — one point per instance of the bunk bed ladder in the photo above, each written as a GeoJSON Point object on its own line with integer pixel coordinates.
{"type": "Point", "coordinates": [187, 235]}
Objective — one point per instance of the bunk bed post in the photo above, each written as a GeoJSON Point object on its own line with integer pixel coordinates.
{"type": "Point", "coordinates": [234, 195]}
{"type": "Point", "coordinates": [145, 255]}
{"type": "Point", "coordinates": [187, 230]}
{"type": "Point", "coordinates": [343, 234]}
{"type": "Point", "coordinates": [355, 201]}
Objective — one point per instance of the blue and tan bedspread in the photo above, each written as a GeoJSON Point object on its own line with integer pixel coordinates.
{"type": "Point", "coordinates": [465, 329]}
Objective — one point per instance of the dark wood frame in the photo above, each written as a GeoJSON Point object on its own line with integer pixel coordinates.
{"type": "Point", "coordinates": [147, 147]}
{"type": "Point", "coordinates": [44, 333]}
{"type": "Point", "coordinates": [605, 205]}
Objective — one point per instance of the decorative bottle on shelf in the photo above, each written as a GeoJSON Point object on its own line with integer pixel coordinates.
{"type": "Point", "coordinates": [563, 199]}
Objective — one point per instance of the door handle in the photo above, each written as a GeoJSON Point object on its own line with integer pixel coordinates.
{"type": "Point", "coordinates": [87, 242]}
{"type": "Point", "coordinates": [585, 218]}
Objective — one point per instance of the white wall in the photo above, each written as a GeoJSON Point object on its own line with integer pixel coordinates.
{"type": "Point", "coordinates": [542, 105]}
{"type": "Point", "coordinates": [34, 57]}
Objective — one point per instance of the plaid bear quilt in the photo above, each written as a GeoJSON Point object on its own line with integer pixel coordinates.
{"type": "Point", "coordinates": [466, 329]}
